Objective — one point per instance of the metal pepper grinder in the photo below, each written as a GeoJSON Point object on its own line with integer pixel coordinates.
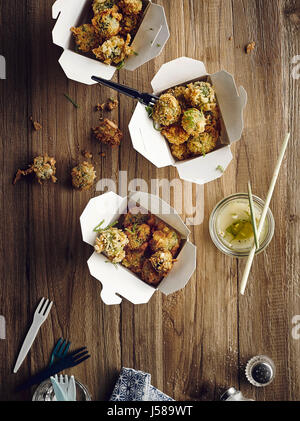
{"type": "Point", "coordinates": [260, 371]}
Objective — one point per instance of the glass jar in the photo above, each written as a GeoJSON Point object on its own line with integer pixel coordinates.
{"type": "Point", "coordinates": [221, 209]}
{"type": "Point", "coordinates": [260, 371]}
{"type": "Point", "coordinates": [45, 392]}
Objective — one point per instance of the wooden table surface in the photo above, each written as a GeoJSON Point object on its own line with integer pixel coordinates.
{"type": "Point", "coordinates": [195, 342]}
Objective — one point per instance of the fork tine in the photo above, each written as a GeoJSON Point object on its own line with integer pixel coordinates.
{"type": "Point", "coordinates": [59, 350]}
{"type": "Point", "coordinates": [57, 345]}
{"type": "Point", "coordinates": [81, 360]}
{"type": "Point", "coordinates": [39, 306]}
{"type": "Point", "coordinates": [82, 354]}
{"type": "Point", "coordinates": [66, 349]}
{"type": "Point", "coordinates": [47, 310]}
{"type": "Point", "coordinates": [77, 351]}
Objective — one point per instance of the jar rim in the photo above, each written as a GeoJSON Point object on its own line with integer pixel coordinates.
{"type": "Point", "coordinates": [213, 232]}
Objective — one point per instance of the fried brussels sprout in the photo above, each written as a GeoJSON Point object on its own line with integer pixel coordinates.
{"type": "Point", "coordinates": [180, 152]}
{"type": "Point", "coordinates": [129, 24]}
{"type": "Point", "coordinates": [86, 37]}
{"type": "Point", "coordinates": [107, 23]}
{"type": "Point", "coordinates": [112, 242]}
{"type": "Point", "coordinates": [167, 110]}
{"type": "Point", "coordinates": [131, 7]}
{"type": "Point", "coordinates": [204, 143]}
{"type": "Point", "coordinates": [175, 134]}
{"type": "Point", "coordinates": [193, 121]}
{"type": "Point", "coordinates": [114, 50]}
{"type": "Point", "coordinates": [83, 176]}
{"type": "Point", "coordinates": [43, 168]}
{"type": "Point", "coordinates": [200, 93]}
{"type": "Point", "coordinates": [149, 274]}
{"type": "Point", "coordinates": [134, 259]}
{"type": "Point", "coordinates": [108, 132]}
{"type": "Point", "coordinates": [165, 239]}
{"type": "Point", "coordinates": [179, 92]}
{"type": "Point", "coordinates": [162, 262]}
{"type": "Point", "coordinates": [137, 235]}
{"type": "Point", "coordinates": [101, 5]}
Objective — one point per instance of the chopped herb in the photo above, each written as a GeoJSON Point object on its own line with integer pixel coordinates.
{"type": "Point", "coordinates": [150, 29]}
{"type": "Point", "coordinates": [158, 45]}
{"type": "Point", "coordinates": [115, 264]}
{"type": "Point", "coordinates": [135, 53]}
{"type": "Point", "coordinates": [71, 100]}
{"type": "Point", "coordinates": [99, 229]}
{"type": "Point", "coordinates": [156, 127]}
{"type": "Point", "coordinates": [149, 110]}
{"type": "Point", "coordinates": [220, 168]}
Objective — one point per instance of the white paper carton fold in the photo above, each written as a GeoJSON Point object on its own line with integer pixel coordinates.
{"type": "Point", "coordinates": [152, 145]}
{"type": "Point", "coordinates": [148, 43]}
{"type": "Point", "coordinates": [116, 280]}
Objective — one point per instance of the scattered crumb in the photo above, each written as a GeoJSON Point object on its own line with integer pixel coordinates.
{"type": "Point", "coordinates": [110, 105]}
{"type": "Point", "coordinates": [108, 132]}
{"type": "Point", "coordinates": [36, 125]}
{"type": "Point", "coordinates": [43, 168]}
{"type": "Point", "coordinates": [230, 38]}
{"type": "Point", "coordinates": [87, 154]}
{"type": "Point", "coordinates": [250, 47]}
{"type": "Point", "coordinates": [102, 154]}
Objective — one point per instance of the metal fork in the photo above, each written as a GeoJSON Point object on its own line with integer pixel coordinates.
{"type": "Point", "coordinates": [40, 315]}
{"type": "Point", "coordinates": [60, 350]}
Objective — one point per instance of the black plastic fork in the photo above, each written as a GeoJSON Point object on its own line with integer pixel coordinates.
{"type": "Point", "coordinates": [70, 360]}
{"type": "Point", "coordinates": [142, 97]}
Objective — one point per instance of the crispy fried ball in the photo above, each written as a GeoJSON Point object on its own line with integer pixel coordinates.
{"type": "Point", "coordinates": [129, 24]}
{"type": "Point", "coordinates": [83, 176]}
{"type": "Point", "coordinates": [112, 242]}
{"type": "Point", "coordinates": [86, 37]}
{"type": "Point", "coordinates": [162, 261]}
{"type": "Point", "coordinates": [193, 121]}
{"type": "Point", "coordinates": [180, 151]}
{"type": "Point", "coordinates": [137, 235]}
{"type": "Point", "coordinates": [213, 109]}
{"type": "Point", "coordinates": [43, 168]}
{"type": "Point", "coordinates": [165, 239]}
{"type": "Point", "coordinates": [204, 143]}
{"type": "Point", "coordinates": [167, 110]}
{"type": "Point", "coordinates": [101, 5]}
{"type": "Point", "coordinates": [134, 259]}
{"type": "Point", "coordinates": [175, 134]}
{"type": "Point", "coordinates": [149, 274]}
{"type": "Point", "coordinates": [179, 93]}
{"type": "Point", "coordinates": [200, 93]}
{"type": "Point", "coordinates": [133, 217]}
{"type": "Point", "coordinates": [114, 50]}
{"type": "Point", "coordinates": [131, 7]}
{"type": "Point", "coordinates": [108, 132]}
{"type": "Point", "coordinates": [107, 23]}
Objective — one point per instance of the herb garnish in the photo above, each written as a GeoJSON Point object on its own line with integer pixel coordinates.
{"type": "Point", "coordinates": [99, 229]}
{"type": "Point", "coordinates": [121, 65]}
{"type": "Point", "coordinates": [220, 168]}
{"type": "Point", "coordinates": [71, 100]}
{"type": "Point", "coordinates": [149, 110]}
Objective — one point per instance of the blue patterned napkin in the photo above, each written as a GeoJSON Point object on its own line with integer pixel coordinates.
{"type": "Point", "coordinates": [133, 385]}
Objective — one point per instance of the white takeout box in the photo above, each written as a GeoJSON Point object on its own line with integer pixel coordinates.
{"type": "Point", "coordinates": [153, 146]}
{"type": "Point", "coordinates": [116, 279]}
{"type": "Point", "coordinates": [148, 43]}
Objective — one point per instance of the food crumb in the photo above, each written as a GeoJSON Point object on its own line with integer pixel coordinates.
{"type": "Point", "coordinates": [230, 38]}
{"type": "Point", "coordinates": [110, 105]}
{"type": "Point", "coordinates": [87, 154]}
{"type": "Point", "coordinates": [36, 125]}
{"type": "Point", "coordinates": [102, 154]}
{"type": "Point", "coordinates": [250, 47]}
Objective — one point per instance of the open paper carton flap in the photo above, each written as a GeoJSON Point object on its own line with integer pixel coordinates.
{"type": "Point", "coordinates": [151, 37]}
{"type": "Point", "coordinates": [116, 279]}
{"type": "Point", "coordinates": [148, 141]}
{"type": "Point", "coordinates": [232, 103]}
{"type": "Point", "coordinates": [147, 44]}
{"type": "Point", "coordinates": [102, 208]}
{"type": "Point", "coordinates": [182, 270]}
{"type": "Point", "coordinates": [205, 168]}
{"type": "Point", "coordinates": [177, 72]}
